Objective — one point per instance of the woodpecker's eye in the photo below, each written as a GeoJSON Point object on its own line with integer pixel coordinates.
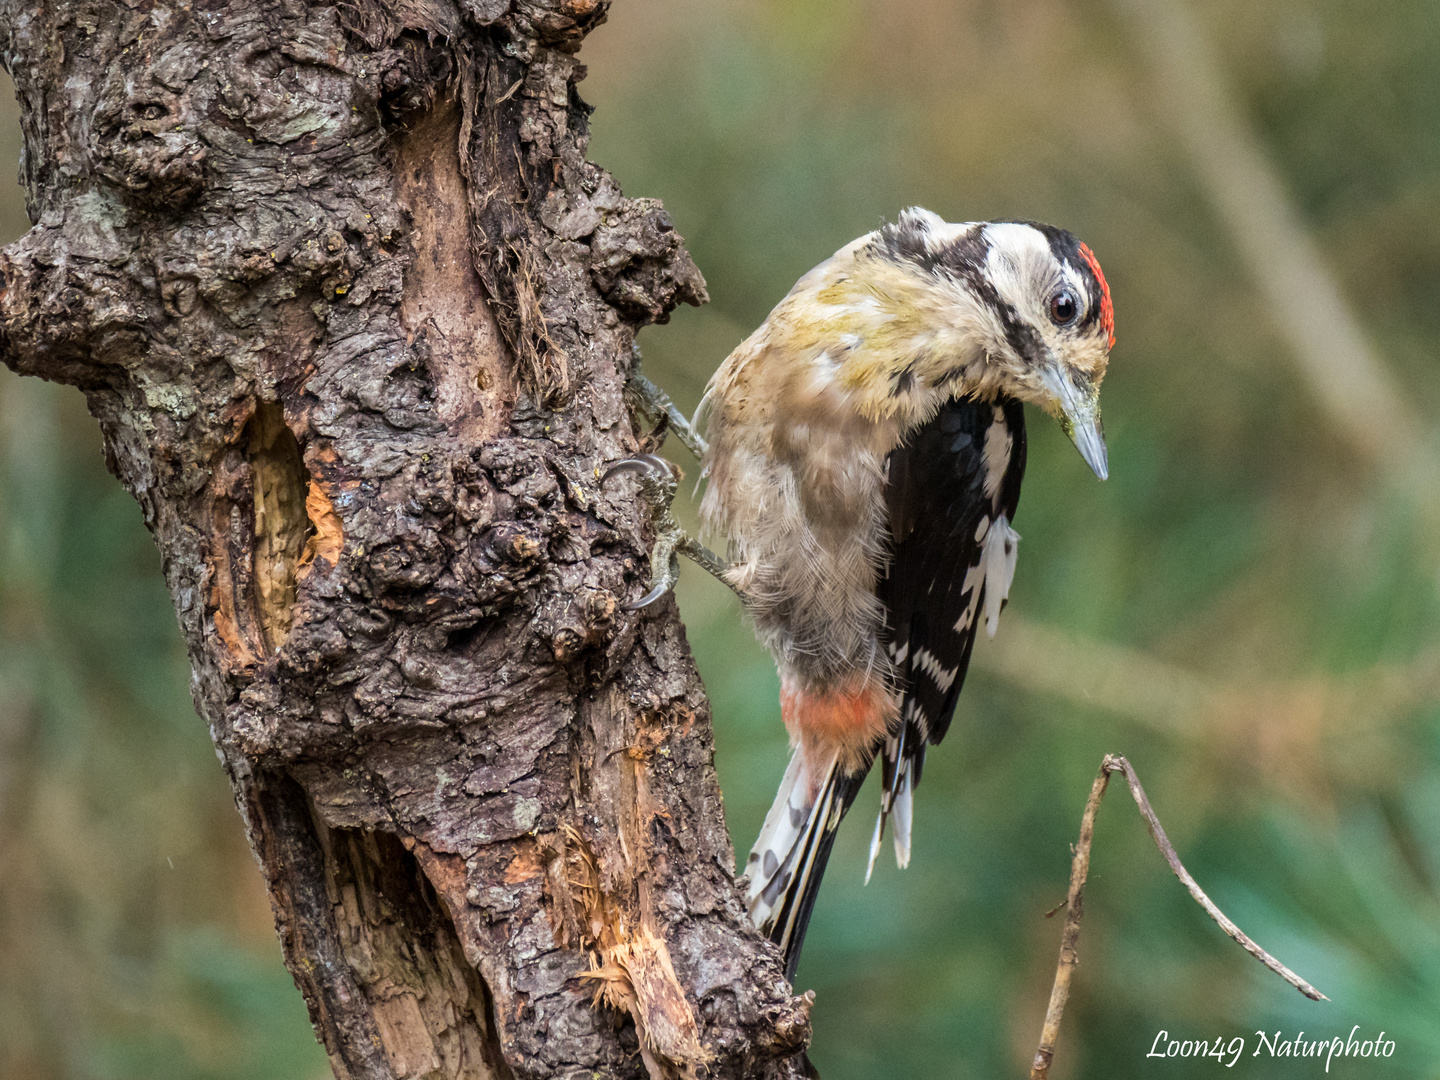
{"type": "Point", "coordinates": [1063, 308]}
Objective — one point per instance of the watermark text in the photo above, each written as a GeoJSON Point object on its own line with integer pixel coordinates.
{"type": "Point", "coordinates": [1227, 1051]}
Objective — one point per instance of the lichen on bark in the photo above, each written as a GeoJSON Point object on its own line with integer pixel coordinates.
{"type": "Point", "coordinates": [355, 315]}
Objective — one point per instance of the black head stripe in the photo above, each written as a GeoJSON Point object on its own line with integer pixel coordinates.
{"type": "Point", "coordinates": [1066, 248]}
{"type": "Point", "coordinates": [963, 260]}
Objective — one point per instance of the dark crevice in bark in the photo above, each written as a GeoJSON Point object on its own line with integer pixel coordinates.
{"type": "Point", "coordinates": [283, 830]}
{"type": "Point", "coordinates": [355, 315]}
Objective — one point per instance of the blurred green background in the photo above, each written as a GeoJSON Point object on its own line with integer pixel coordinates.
{"type": "Point", "coordinates": [1249, 609]}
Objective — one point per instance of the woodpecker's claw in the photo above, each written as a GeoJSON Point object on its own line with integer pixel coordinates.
{"type": "Point", "coordinates": [644, 465]}
{"type": "Point", "coordinates": [657, 488]}
{"type": "Point", "coordinates": [661, 411]}
{"type": "Point", "coordinates": [655, 593]}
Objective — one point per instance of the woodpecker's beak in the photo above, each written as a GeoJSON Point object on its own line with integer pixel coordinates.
{"type": "Point", "coordinates": [1079, 402]}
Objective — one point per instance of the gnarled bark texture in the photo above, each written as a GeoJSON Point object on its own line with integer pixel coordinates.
{"type": "Point", "coordinates": [355, 316]}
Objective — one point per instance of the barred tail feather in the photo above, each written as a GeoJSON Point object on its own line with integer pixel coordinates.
{"type": "Point", "coordinates": [900, 762]}
{"type": "Point", "coordinates": [892, 753]}
{"type": "Point", "coordinates": [875, 838]}
{"type": "Point", "coordinates": [904, 811]}
{"type": "Point", "coordinates": [788, 860]}
{"type": "Point", "coordinates": [898, 800]}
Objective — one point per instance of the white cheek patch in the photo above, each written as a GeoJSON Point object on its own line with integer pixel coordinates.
{"type": "Point", "coordinates": [1022, 267]}
{"type": "Point", "coordinates": [1002, 547]}
{"type": "Point", "coordinates": [970, 328]}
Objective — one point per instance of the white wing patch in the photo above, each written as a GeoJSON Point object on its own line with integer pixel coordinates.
{"type": "Point", "coordinates": [1002, 546]}
{"type": "Point", "coordinates": [998, 444]}
{"type": "Point", "coordinates": [971, 587]}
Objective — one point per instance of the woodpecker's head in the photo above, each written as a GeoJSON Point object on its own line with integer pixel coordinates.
{"type": "Point", "coordinates": [922, 310]}
{"type": "Point", "coordinates": [1031, 307]}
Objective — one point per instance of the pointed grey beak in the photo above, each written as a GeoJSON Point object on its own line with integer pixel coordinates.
{"type": "Point", "coordinates": [1080, 417]}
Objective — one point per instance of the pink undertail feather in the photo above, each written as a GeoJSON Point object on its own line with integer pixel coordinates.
{"type": "Point", "coordinates": [847, 722]}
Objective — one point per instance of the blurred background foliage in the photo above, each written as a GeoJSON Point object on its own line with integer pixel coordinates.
{"type": "Point", "coordinates": [1249, 609]}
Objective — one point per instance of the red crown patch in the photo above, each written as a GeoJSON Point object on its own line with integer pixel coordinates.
{"type": "Point", "coordinates": [1107, 309]}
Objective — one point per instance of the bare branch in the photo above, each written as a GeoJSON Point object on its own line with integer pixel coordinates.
{"type": "Point", "coordinates": [1074, 908]}
{"type": "Point", "coordinates": [1114, 762]}
{"type": "Point", "coordinates": [1074, 904]}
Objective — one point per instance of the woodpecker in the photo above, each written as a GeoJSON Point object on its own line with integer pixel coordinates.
{"type": "Point", "coordinates": [865, 450]}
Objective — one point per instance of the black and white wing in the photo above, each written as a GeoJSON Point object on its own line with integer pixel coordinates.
{"type": "Point", "coordinates": [951, 495]}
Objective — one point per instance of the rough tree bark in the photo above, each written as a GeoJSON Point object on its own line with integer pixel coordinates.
{"type": "Point", "coordinates": [355, 316]}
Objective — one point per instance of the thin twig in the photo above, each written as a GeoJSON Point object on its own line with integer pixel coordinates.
{"type": "Point", "coordinates": [1157, 833]}
{"type": "Point", "coordinates": [1074, 908]}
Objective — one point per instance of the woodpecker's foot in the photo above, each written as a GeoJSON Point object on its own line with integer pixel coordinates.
{"type": "Point", "coordinates": [662, 413]}
{"type": "Point", "coordinates": [657, 488]}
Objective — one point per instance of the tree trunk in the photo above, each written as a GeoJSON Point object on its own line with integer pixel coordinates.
{"type": "Point", "coordinates": [355, 316]}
